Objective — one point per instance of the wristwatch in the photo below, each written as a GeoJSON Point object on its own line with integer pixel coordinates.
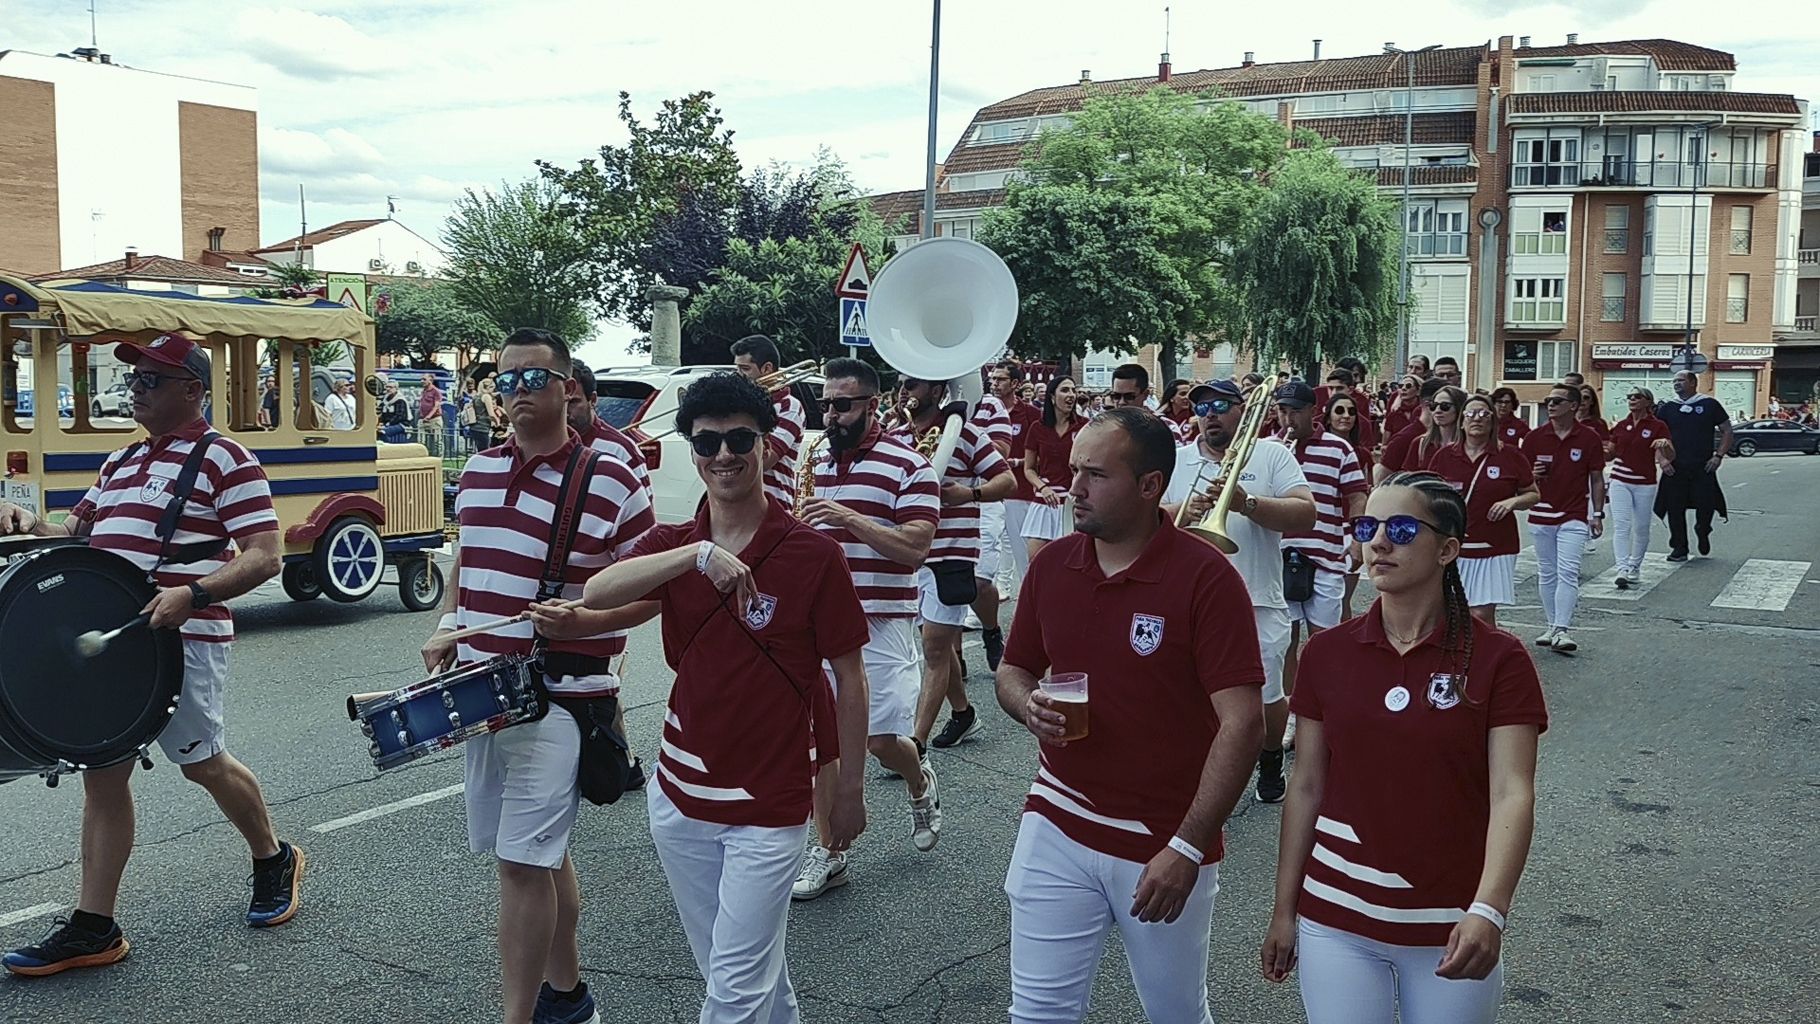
{"type": "Point", "coordinates": [1250, 506]}
{"type": "Point", "coordinates": [199, 597]}
{"type": "Point", "coordinates": [976, 495]}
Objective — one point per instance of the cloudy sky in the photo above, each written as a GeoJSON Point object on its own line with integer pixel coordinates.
{"type": "Point", "coordinates": [361, 100]}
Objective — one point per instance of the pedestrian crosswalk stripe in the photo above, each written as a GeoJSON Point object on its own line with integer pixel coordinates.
{"type": "Point", "coordinates": [1604, 587]}
{"type": "Point", "coordinates": [384, 809]}
{"type": "Point", "coordinates": [21, 916]}
{"type": "Point", "coordinates": [1763, 584]}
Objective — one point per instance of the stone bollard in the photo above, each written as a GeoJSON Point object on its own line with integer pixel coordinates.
{"type": "Point", "coordinates": [666, 324]}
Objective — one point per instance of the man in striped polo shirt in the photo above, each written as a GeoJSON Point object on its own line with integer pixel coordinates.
{"type": "Point", "coordinates": [976, 473]}
{"type": "Point", "coordinates": [600, 435]}
{"type": "Point", "coordinates": [230, 503]}
{"type": "Point", "coordinates": [754, 356]}
{"type": "Point", "coordinates": [1338, 484]}
{"type": "Point", "coordinates": [520, 783]}
{"type": "Point", "coordinates": [878, 498]}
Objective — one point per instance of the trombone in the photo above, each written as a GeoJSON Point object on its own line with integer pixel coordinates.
{"type": "Point", "coordinates": [772, 381]}
{"type": "Point", "coordinates": [1212, 526]}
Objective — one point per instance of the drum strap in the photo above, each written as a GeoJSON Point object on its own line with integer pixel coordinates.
{"type": "Point", "coordinates": [576, 482]}
{"type": "Point", "coordinates": [181, 554]}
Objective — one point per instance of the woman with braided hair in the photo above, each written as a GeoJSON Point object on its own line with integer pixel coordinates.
{"type": "Point", "coordinates": [1413, 798]}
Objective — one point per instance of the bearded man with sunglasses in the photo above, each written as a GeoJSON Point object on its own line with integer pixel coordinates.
{"type": "Point", "coordinates": [520, 784]}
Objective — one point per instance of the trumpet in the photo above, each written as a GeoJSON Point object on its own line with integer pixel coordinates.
{"type": "Point", "coordinates": [1212, 526]}
{"type": "Point", "coordinates": [769, 382]}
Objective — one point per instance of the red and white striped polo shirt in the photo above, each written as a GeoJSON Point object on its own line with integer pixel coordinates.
{"type": "Point", "coordinates": [1185, 429]}
{"type": "Point", "coordinates": [606, 439]}
{"type": "Point", "coordinates": [507, 510]}
{"type": "Point", "coordinates": [1633, 443]}
{"type": "Point", "coordinates": [1333, 473]}
{"type": "Point", "coordinates": [785, 440]}
{"type": "Point", "coordinates": [886, 481]}
{"type": "Point", "coordinates": [992, 419]}
{"type": "Point", "coordinates": [230, 501]}
{"type": "Point", "coordinates": [975, 461]}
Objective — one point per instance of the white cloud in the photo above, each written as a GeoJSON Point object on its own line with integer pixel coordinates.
{"type": "Point", "coordinates": [335, 151]}
{"type": "Point", "coordinates": [309, 45]}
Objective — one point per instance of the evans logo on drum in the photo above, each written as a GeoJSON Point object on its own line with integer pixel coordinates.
{"type": "Point", "coordinates": [50, 583]}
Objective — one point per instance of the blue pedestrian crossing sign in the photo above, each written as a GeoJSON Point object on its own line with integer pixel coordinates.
{"type": "Point", "coordinates": [853, 323]}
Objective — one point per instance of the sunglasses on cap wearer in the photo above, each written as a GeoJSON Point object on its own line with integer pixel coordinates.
{"type": "Point", "coordinates": [534, 379]}
{"type": "Point", "coordinates": [1400, 529]}
{"type": "Point", "coordinates": [845, 404]}
{"type": "Point", "coordinates": [739, 441]}
{"type": "Point", "coordinates": [148, 380]}
{"type": "Point", "coordinates": [1214, 407]}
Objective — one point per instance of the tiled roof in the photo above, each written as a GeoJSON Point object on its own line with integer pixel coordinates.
{"type": "Point", "coordinates": [317, 237]}
{"type": "Point", "coordinates": [994, 157]}
{"type": "Point", "coordinates": [891, 206]}
{"type": "Point", "coordinates": [1430, 174]}
{"type": "Point", "coordinates": [1669, 54]}
{"type": "Point", "coordinates": [223, 257]}
{"type": "Point", "coordinates": [150, 268]}
{"type": "Point", "coordinates": [1378, 129]}
{"type": "Point", "coordinates": [1638, 102]}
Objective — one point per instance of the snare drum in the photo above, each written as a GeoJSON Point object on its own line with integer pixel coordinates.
{"type": "Point", "coordinates": [435, 714]}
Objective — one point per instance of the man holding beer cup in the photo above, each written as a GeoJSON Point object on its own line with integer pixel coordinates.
{"type": "Point", "coordinates": [1149, 722]}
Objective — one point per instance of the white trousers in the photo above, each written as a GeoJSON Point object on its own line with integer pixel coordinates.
{"type": "Point", "coordinates": [1064, 899]}
{"type": "Point", "coordinates": [1632, 506]}
{"type": "Point", "coordinates": [731, 884]}
{"type": "Point", "coordinates": [1349, 979]}
{"type": "Point", "coordinates": [1558, 553]}
{"type": "Point", "coordinates": [1011, 576]}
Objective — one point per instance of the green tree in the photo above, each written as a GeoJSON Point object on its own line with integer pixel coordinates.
{"type": "Point", "coordinates": [422, 320]}
{"type": "Point", "coordinates": [616, 203]}
{"type": "Point", "coordinates": [1316, 269]}
{"type": "Point", "coordinates": [1143, 193]}
{"type": "Point", "coordinates": [518, 262]}
{"type": "Point", "coordinates": [294, 275]}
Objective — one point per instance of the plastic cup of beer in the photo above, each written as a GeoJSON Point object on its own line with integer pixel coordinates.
{"type": "Point", "coordinates": [1068, 691]}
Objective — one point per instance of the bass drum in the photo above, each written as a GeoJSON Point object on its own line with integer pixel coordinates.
{"type": "Point", "coordinates": [61, 712]}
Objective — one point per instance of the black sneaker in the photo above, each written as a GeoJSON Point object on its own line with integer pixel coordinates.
{"type": "Point", "coordinates": [962, 725]}
{"type": "Point", "coordinates": [994, 639]}
{"type": "Point", "coordinates": [635, 776]}
{"type": "Point", "coordinates": [1271, 786]}
{"type": "Point", "coordinates": [1677, 556]}
{"type": "Point", "coordinates": [1704, 542]}
{"type": "Point", "coordinates": [554, 1008]}
{"type": "Point", "coordinates": [68, 946]}
{"type": "Point", "coordinates": [275, 896]}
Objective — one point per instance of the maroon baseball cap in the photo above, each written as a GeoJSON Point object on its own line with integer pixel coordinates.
{"type": "Point", "coordinates": [173, 349]}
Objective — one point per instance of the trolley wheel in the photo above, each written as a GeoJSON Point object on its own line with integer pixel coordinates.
{"type": "Point", "coordinates": [349, 559]}
{"type": "Point", "coordinates": [420, 583]}
{"type": "Point", "coordinates": [300, 581]}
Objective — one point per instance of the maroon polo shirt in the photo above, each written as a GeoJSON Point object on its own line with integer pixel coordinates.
{"type": "Point", "coordinates": [1155, 640]}
{"type": "Point", "coordinates": [1512, 430]}
{"type": "Point", "coordinates": [1497, 474]}
{"type": "Point", "coordinates": [1569, 464]}
{"type": "Point", "coordinates": [1402, 451]}
{"type": "Point", "coordinates": [1634, 449]}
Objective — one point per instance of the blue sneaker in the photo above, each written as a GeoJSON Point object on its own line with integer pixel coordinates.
{"type": "Point", "coordinates": [275, 889]}
{"type": "Point", "coordinates": [556, 1009]}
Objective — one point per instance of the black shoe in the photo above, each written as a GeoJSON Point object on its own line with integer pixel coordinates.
{"type": "Point", "coordinates": [68, 946]}
{"type": "Point", "coordinates": [1705, 543]}
{"type": "Point", "coordinates": [275, 888]}
{"type": "Point", "coordinates": [555, 1008]}
{"type": "Point", "coordinates": [635, 775]}
{"type": "Point", "coordinates": [1623, 581]}
{"type": "Point", "coordinates": [1271, 786]}
{"type": "Point", "coordinates": [962, 725]}
{"type": "Point", "coordinates": [1677, 556]}
{"type": "Point", "coordinates": [994, 639]}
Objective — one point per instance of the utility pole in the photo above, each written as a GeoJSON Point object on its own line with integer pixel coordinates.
{"type": "Point", "coordinates": [935, 70]}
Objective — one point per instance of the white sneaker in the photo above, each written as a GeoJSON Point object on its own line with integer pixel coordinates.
{"type": "Point", "coordinates": [821, 871]}
{"type": "Point", "coordinates": [1564, 644]}
{"type": "Point", "coordinates": [1635, 576]}
{"type": "Point", "coordinates": [1547, 639]}
{"type": "Point", "coordinates": [926, 813]}
{"type": "Point", "coordinates": [1289, 734]}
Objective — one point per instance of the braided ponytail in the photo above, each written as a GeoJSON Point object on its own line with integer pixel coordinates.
{"type": "Point", "coordinates": [1447, 509]}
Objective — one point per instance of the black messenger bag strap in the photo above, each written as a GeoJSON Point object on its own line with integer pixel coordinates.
{"type": "Point", "coordinates": [183, 554]}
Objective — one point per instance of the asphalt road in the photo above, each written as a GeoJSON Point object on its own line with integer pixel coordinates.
{"type": "Point", "coordinates": [1672, 877]}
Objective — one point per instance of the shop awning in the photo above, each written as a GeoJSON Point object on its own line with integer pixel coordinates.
{"type": "Point", "coordinates": [91, 308]}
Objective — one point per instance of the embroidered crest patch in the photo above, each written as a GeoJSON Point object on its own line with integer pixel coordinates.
{"type": "Point", "coordinates": [1146, 633]}
{"type": "Point", "coordinates": [759, 612]}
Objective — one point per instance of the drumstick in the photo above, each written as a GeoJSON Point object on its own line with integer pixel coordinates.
{"type": "Point", "coordinates": [486, 627]}
{"type": "Point", "coordinates": [93, 642]}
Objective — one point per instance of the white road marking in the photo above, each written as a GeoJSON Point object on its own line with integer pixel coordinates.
{"type": "Point", "coordinates": [384, 809]}
{"type": "Point", "coordinates": [41, 910]}
{"type": "Point", "coordinates": [1604, 587]}
{"type": "Point", "coordinates": [1763, 584]}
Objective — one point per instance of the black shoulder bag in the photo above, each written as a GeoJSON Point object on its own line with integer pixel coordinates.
{"type": "Point", "coordinates": [605, 762]}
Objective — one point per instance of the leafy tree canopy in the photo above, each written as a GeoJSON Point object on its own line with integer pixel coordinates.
{"type": "Point", "coordinates": [514, 259]}
{"type": "Point", "coordinates": [425, 319]}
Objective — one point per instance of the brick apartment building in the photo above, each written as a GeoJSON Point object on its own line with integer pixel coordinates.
{"type": "Point", "coordinates": [1556, 192]}
{"type": "Point", "coordinates": [1797, 367]}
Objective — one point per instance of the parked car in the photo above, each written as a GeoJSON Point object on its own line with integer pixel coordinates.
{"type": "Point", "coordinates": [1755, 436]}
{"type": "Point", "coordinates": [629, 394]}
{"type": "Point", "coordinates": [115, 401]}
{"type": "Point", "coordinates": [66, 402]}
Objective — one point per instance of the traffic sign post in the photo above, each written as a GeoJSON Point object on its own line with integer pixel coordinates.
{"type": "Point", "coordinates": [1690, 361]}
{"type": "Point", "coordinates": [853, 286]}
{"type": "Point", "coordinates": [853, 323]}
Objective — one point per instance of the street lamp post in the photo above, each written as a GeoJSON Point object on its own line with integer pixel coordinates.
{"type": "Point", "coordinates": [935, 67]}
{"type": "Point", "coordinates": [1693, 231]}
{"type": "Point", "coordinates": [1409, 131]}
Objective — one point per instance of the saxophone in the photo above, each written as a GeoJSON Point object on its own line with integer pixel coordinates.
{"type": "Point", "coordinates": [805, 474]}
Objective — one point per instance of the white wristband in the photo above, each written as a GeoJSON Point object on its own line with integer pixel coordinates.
{"type": "Point", "coordinates": [447, 621]}
{"type": "Point", "coordinates": [1488, 912]}
{"type": "Point", "coordinates": [702, 552]}
{"type": "Point", "coordinates": [1186, 849]}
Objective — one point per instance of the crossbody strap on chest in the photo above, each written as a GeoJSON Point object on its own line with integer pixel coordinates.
{"type": "Point", "coordinates": [577, 480]}
{"type": "Point", "coordinates": [179, 493]}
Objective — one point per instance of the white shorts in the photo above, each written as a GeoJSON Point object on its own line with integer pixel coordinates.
{"type": "Point", "coordinates": [1322, 611]}
{"type": "Point", "coordinates": [894, 675]}
{"type": "Point", "coordinates": [930, 606]}
{"type": "Point", "coordinates": [992, 540]}
{"type": "Point", "coordinates": [197, 731]}
{"type": "Point", "coordinates": [1273, 643]}
{"type": "Point", "coordinates": [521, 790]}
{"type": "Point", "coordinates": [1044, 521]}
{"type": "Point", "coordinates": [1490, 580]}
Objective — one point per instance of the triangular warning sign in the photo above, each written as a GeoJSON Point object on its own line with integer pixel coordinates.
{"type": "Point", "coordinates": [347, 298]}
{"type": "Point", "coordinates": [855, 281]}
{"type": "Point", "coordinates": [856, 322]}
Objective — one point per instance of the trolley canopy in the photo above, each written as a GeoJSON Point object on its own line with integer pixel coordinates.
{"type": "Point", "coordinates": [89, 308]}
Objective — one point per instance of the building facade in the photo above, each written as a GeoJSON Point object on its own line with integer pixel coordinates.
{"type": "Point", "coordinates": [97, 157]}
{"type": "Point", "coordinates": [1797, 366]}
{"type": "Point", "coordinates": [1582, 207]}
{"type": "Point", "coordinates": [377, 246]}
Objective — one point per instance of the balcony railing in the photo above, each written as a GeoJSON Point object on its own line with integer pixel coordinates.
{"type": "Point", "coordinates": [1809, 257]}
{"type": "Point", "coordinates": [1617, 239]}
{"type": "Point", "coordinates": [1740, 242]}
{"type": "Point", "coordinates": [1446, 243]}
{"type": "Point", "coordinates": [1805, 324]}
{"type": "Point", "coordinates": [1619, 173]}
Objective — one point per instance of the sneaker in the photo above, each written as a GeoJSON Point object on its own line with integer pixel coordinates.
{"type": "Point", "coordinates": [554, 1008]}
{"type": "Point", "coordinates": [1271, 786]}
{"type": "Point", "coordinates": [1677, 556]}
{"type": "Point", "coordinates": [1289, 734]}
{"type": "Point", "coordinates": [1634, 578]}
{"type": "Point", "coordinates": [962, 726]}
{"type": "Point", "coordinates": [1623, 580]}
{"type": "Point", "coordinates": [1564, 644]}
{"type": "Point", "coordinates": [635, 776]}
{"type": "Point", "coordinates": [821, 871]}
{"type": "Point", "coordinates": [68, 946]}
{"type": "Point", "coordinates": [994, 640]}
{"type": "Point", "coordinates": [926, 813]}
{"type": "Point", "coordinates": [1547, 639]}
{"type": "Point", "coordinates": [1704, 542]}
{"type": "Point", "coordinates": [275, 897]}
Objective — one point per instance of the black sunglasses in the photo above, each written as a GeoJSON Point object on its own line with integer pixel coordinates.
{"type": "Point", "coordinates": [1400, 529]}
{"type": "Point", "coordinates": [842, 405]}
{"type": "Point", "coordinates": [739, 441]}
{"type": "Point", "coordinates": [1343, 410]}
{"type": "Point", "coordinates": [148, 380]}
{"type": "Point", "coordinates": [1555, 400]}
{"type": "Point", "coordinates": [1214, 406]}
{"type": "Point", "coordinates": [1441, 406]}
{"type": "Point", "coordinates": [534, 379]}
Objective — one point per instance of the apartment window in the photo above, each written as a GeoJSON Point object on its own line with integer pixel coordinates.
{"type": "Point", "coordinates": [1437, 228]}
{"type": "Point", "coordinates": [1741, 230]}
{"type": "Point", "coordinates": [1538, 300]}
{"type": "Point", "coordinates": [1539, 232]}
{"type": "Point", "coordinates": [1617, 229]}
{"type": "Point", "coordinates": [1546, 157]}
{"type": "Point", "coordinates": [1556, 359]}
{"type": "Point", "coordinates": [1613, 309]}
{"type": "Point", "coordinates": [1737, 298]}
